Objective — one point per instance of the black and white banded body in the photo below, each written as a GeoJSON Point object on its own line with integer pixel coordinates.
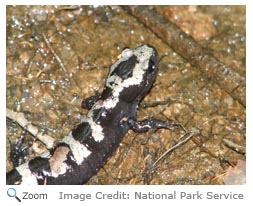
{"type": "Point", "coordinates": [86, 148]}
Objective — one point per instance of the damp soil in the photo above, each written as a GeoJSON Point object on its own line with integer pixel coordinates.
{"type": "Point", "coordinates": [56, 56]}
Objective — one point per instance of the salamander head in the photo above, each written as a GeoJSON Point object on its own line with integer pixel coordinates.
{"type": "Point", "coordinates": [133, 74]}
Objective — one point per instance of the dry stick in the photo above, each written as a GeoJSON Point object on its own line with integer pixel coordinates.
{"type": "Point", "coordinates": [238, 148]}
{"type": "Point", "coordinates": [59, 61]}
{"type": "Point", "coordinates": [19, 117]}
{"type": "Point", "coordinates": [223, 75]}
{"type": "Point", "coordinates": [186, 137]}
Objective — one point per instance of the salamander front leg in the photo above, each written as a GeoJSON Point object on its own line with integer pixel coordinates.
{"type": "Point", "coordinates": [89, 102]}
{"type": "Point", "coordinates": [146, 124]}
{"type": "Point", "coordinates": [151, 123]}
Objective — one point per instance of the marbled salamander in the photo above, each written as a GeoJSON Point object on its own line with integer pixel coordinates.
{"type": "Point", "coordinates": [86, 148]}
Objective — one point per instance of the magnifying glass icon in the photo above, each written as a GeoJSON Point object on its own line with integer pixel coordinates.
{"type": "Point", "coordinates": [11, 192]}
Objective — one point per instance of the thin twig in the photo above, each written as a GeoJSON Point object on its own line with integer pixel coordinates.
{"type": "Point", "coordinates": [19, 117]}
{"type": "Point", "coordinates": [187, 137]}
{"type": "Point", "coordinates": [238, 148]}
{"type": "Point", "coordinates": [58, 59]}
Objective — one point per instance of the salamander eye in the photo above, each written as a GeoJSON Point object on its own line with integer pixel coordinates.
{"type": "Point", "coordinates": [152, 65]}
